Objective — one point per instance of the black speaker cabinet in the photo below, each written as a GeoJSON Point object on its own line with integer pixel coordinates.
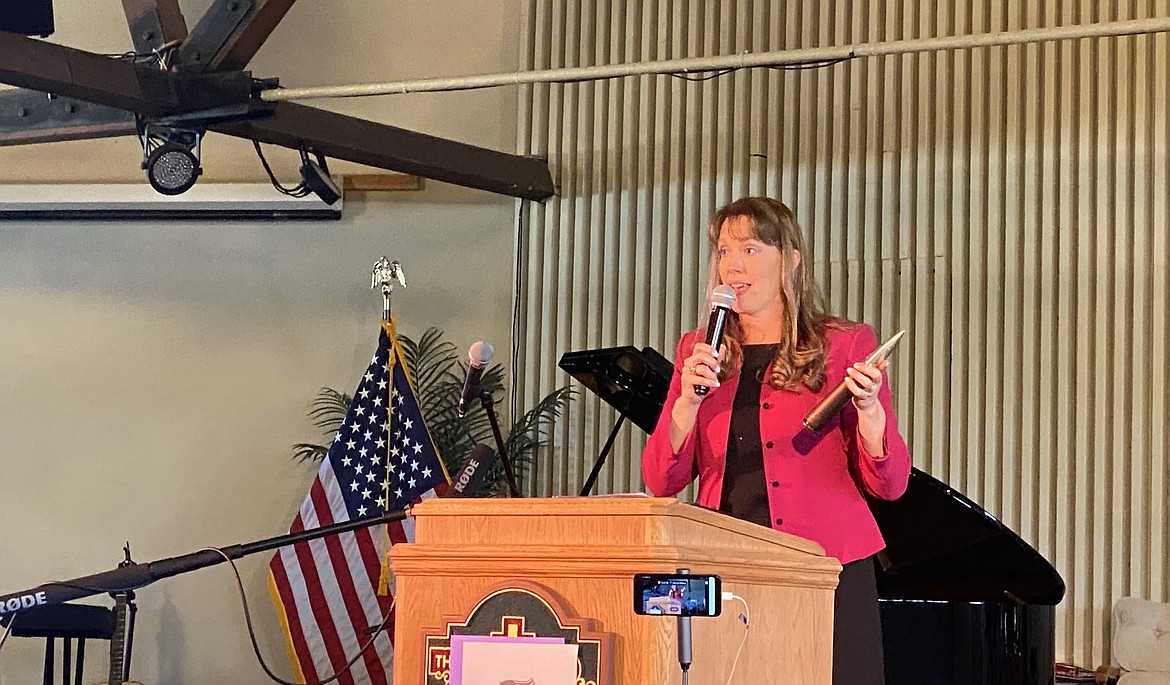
{"type": "Point", "coordinates": [27, 17]}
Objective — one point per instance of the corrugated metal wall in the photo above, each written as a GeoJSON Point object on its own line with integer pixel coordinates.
{"type": "Point", "coordinates": [1008, 206]}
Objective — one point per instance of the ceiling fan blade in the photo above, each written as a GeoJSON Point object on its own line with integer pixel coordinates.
{"type": "Point", "coordinates": [28, 116]}
{"type": "Point", "coordinates": [340, 136]}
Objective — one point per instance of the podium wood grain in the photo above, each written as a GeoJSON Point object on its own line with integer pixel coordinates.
{"type": "Point", "coordinates": [585, 551]}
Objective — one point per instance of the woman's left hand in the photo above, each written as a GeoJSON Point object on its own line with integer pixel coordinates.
{"type": "Point", "coordinates": [864, 381]}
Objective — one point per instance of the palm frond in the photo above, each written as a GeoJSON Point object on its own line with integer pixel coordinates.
{"type": "Point", "coordinates": [438, 371]}
{"type": "Point", "coordinates": [328, 410]}
{"type": "Point", "coordinates": [529, 432]}
{"type": "Point", "coordinates": [493, 378]}
{"type": "Point", "coordinates": [431, 361]}
{"type": "Point", "coordinates": [306, 451]}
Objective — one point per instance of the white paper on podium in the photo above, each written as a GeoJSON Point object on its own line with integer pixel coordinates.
{"type": "Point", "coordinates": [498, 663]}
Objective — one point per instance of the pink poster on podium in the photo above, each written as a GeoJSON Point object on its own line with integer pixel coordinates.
{"type": "Point", "coordinates": [484, 660]}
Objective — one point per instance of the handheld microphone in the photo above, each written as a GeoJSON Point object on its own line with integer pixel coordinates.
{"type": "Point", "coordinates": [722, 299]}
{"type": "Point", "coordinates": [478, 356]}
{"type": "Point", "coordinates": [828, 407]}
{"type": "Point", "coordinates": [471, 477]}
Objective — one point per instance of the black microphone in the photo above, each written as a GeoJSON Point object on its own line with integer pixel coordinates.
{"type": "Point", "coordinates": [471, 477]}
{"type": "Point", "coordinates": [478, 356]}
{"type": "Point", "coordinates": [828, 407]}
{"type": "Point", "coordinates": [722, 299]}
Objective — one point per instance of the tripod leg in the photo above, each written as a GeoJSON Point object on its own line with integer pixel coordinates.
{"type": "Point", "coordinates": [684, 640]}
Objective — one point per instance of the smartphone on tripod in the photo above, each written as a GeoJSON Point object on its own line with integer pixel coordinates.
{"type": "Point", "coordinates": [678, 594]}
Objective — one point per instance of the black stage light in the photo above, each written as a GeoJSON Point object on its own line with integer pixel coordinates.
{"type": "Point", "coordinates": [172, 169]}
{"type": "Point", "coordinates": [171, 158]}
{"type": "Point", "coordinates": [316, 178]}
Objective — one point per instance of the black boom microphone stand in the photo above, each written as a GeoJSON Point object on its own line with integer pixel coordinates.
{"type": "Point", "coordinates": [134, 576]}
{"type": "Point", "coordinates": [489, 407]}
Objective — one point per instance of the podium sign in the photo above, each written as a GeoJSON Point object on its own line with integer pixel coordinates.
{"type": "Point", "coordinates": [521, 614]}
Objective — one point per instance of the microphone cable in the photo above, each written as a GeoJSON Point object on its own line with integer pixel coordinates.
{"type": "Point", "coordinates": [745, 618]}
{"type": "Point", "coordinates": [256, 647]}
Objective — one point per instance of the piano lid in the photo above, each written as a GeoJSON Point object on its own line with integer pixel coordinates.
{"type": "Point", "coordinates": [942, 546]}
{"type": "Point", "coordinates": [630, 380]}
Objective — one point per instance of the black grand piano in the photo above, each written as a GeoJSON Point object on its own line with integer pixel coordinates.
{"type": "Point", "coordinates": [964, 600]}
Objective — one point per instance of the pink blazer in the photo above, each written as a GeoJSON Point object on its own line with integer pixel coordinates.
{"type": "Point", "coordinates": [814, 481]}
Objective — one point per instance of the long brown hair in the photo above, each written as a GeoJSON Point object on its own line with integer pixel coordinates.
{"type": "Point", "coordinates": [800, 356]}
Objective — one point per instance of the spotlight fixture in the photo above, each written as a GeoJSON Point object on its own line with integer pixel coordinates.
{"type": "Point", "coordinates": [315, 176]}
{"type": "Point", "coordinates": [171, 158]}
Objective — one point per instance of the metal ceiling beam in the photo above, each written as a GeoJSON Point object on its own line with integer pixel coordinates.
{"type": "Point", "coordinates": [60, 70]}
{"type": "Point", "coordinates": [255, 29]}
{"type": "Point", "coordinates": [154, 23]}
{"type": "Point", "coordinates": [212, 34]}
{"type": "Point", "coordinates": [207, 99]}
{"type": "Point", "coordinates": [340, 136]}
{"type": "Point", "coordinates": [29, 116]}
{"type": "Point", "coordinates": [231, 33]}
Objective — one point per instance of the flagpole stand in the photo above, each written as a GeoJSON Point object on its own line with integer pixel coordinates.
{"type": "Point", "coordinates": [489, 406]}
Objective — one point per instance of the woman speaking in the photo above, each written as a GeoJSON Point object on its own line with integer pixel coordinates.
{"type": "Point", "coordinates": [744, 435]}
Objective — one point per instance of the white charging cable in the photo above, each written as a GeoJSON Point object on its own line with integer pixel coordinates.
{"type": "Point", "coordinates": [745, 617]}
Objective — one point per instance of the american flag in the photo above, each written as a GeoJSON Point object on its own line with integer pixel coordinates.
{"type": "Point", "coordinates": [326, 590]}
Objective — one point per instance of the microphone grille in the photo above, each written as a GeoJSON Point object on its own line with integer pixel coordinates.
{"type": "Point", "coordinates": [480, 353]}
{"type": "Point", "coordinates": [723, 296]}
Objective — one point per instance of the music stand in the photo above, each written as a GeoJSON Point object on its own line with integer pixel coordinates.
{"type": "Point", "coordinates": [632, 381]}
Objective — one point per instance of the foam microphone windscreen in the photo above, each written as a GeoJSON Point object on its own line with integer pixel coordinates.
{"type": "Point", "coordinates": [470, 479]}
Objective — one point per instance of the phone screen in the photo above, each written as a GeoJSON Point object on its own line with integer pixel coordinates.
{"type": "Point", "coordinates": [675, 594]}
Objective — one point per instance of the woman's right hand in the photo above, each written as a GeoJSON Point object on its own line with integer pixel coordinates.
{"type": "Point", "coordinates": [701, 368]}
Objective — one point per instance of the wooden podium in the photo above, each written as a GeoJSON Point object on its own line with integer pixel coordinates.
{"type": "Point", "coordinates": [582, 553]}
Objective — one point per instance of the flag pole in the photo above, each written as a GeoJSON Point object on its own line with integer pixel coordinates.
{"type": "Point", "coordinates": [386, 273]}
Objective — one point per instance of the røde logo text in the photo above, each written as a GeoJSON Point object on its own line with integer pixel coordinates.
{"type": "Point", "coordinates": [465, 477]}
{"type": "Point", "coordinates": [23, 602]}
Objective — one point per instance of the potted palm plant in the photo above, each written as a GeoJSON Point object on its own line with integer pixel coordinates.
{"type": "Point", "coordinates": [438, 371]}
